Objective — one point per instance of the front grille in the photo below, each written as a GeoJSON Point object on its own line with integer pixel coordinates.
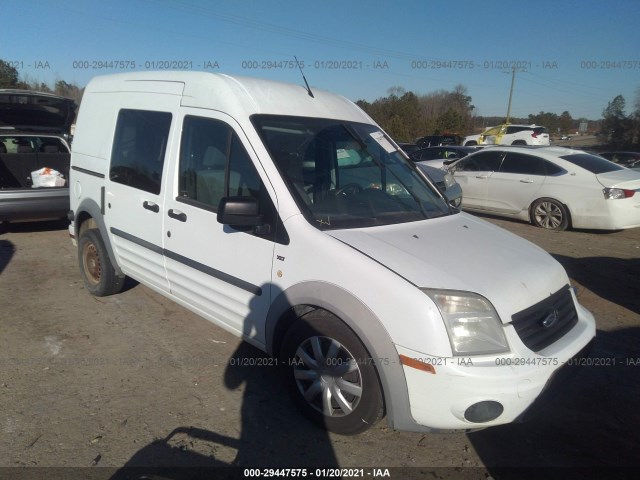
{"type": "Point", "coordinates": [545, 322]}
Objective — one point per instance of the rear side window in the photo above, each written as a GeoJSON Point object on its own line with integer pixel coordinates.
{"type": "Point", "coordinates": [523, 164]}
{"type": "Point", "coordinates": [139, 146]}
{"type": "Point", "coordinates": [592, 163]}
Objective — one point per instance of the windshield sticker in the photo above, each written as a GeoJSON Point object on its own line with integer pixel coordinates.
{"type": "Point", "coordinates": [383, 142]}
{"type": "Point", "coordinates": [342, 153]}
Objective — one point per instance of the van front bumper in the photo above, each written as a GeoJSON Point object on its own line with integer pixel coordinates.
{"type": "Point", "coordinates": [471, 393]}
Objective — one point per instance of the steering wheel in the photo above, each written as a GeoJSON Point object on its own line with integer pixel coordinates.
{"type": "Point", "coordinates": [348, 189]}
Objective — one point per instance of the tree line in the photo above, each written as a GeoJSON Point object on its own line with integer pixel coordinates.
{"type": "Point", "coordinates": [407, 116]}
{"type": "Point", "coordinates": [618, 128]}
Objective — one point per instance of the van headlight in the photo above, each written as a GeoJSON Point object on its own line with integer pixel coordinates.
{"type": "Point", "coordinates": [472, 323]}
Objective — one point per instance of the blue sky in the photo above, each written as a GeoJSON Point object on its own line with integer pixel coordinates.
{"type": "Point", "coordinates": [571, 55]}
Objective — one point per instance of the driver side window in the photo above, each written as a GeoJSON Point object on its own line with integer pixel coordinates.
{"type": "Point", "coordinates": [214, 164]}
{"type": "Point", "coordinates": [481, 162]}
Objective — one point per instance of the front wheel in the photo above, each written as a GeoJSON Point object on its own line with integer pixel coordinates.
{"type": "Point", "coordinates": [330, 375]}
{"type": "Point", "coordinates": [98, 274]}
{"type": "Point", "coordinates": [550, 214]}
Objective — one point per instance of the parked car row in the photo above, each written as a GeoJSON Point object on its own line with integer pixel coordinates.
{"type": "Point", "coordinates": [626, 159]}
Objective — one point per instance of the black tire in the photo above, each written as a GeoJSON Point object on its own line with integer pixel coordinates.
{"type": "Point", "coordinates": [472, 143]}
{"type": "Point", "coordinates": [343, 390]}
{"type": "Point", "coordinates": [550, 214]}
{"type": "Point", "coordinates": [519, 142]}
{"type": "Point", "coordinates": [97, 272]}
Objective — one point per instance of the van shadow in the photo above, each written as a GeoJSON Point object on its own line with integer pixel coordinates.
{"type": "Point", "coordinates": [585, 428]}
{"type": "Point", "coordinates": [273, 432]}
{"type": "Point", "coordinates": [7, 250]}
{"type": "Point", "coordinates": [614, 279]}
{"type": "Point", "coordinates": [36, 226]}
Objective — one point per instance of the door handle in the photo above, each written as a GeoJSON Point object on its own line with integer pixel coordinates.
{"type": "Point", "coordinates": [178, 215]}
{"type": "Point", "coordinates": [151, 206]}
{"type": "Point", "coordinates": [526, 180]}
{"type": "Point", "coordinates": [482, 176]}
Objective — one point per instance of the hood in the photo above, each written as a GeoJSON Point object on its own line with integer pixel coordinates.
{"type": "Point", "coordinates": [627, 178]}
{"type": "Point", "coordinates": [436, 174]}
{"type": "Point", "coordinates": [36, 111]}
{"type": "Point", "coordinates": [461, 252]}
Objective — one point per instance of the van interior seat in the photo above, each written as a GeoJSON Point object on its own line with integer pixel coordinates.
{"type": "Point", "coordinates": [24, 148]}
{"type": "Point", "coordinates": [210, 179]}
{"type": "Point", "coordinates": [49, 148]}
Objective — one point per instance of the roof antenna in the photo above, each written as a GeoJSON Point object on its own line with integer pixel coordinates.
{"type": "Point", "coordinates": [305, 80]}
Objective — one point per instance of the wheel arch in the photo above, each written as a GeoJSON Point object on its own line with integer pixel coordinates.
{"type": "Point", "coordinates": [302, 298]}
{"type": "Point", "coordinates": [89, 215]}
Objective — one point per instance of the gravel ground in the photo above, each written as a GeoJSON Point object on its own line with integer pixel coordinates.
{"type": "Point", "coordinates": [89, 385]}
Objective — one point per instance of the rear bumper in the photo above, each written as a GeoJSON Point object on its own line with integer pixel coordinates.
{"type": "Point", "coordinates": [34, 203]}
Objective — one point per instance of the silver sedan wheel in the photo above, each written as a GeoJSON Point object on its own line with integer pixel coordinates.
{"type": "Point", "coordinates": [548, 215]}
{"type": "Point", "coordinates": [327, 376]}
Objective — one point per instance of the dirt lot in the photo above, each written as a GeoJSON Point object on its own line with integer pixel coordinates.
{"type": "Point", "coordinates": [136, 380]}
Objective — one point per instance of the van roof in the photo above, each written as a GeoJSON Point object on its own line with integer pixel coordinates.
{"type": "Point", "coordinates": [235, 95]}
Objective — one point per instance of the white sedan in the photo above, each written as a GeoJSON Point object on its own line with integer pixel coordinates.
{"type": "Point", "coordinates": [554, 188]}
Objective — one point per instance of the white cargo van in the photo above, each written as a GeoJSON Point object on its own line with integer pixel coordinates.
{"type": "Point", "coordinates": [288, 217]}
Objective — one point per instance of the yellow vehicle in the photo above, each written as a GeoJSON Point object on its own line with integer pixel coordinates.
{"type": "Point", "coordinates": [507, 134]}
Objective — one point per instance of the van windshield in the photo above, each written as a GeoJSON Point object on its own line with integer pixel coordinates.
{"type": "Point", "coordinates": [346, 175]}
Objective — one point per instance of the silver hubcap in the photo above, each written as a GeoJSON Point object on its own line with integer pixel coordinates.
{"type": "Point", "coordinates": [548, 215]}
{"type": "Point", "coordinates": [327, 376]}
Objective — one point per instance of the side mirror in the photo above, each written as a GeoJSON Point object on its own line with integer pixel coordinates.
{"type": "Point", "coordinates": [239, 212]}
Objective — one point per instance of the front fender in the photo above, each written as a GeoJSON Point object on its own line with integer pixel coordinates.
{"type": "Point", "coordinates": [366, 325]}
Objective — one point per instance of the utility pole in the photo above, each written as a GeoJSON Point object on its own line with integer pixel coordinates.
{"type": "Point", "coordinates": [513, 79]}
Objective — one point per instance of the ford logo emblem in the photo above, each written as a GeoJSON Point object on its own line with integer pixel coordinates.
{"type": "Point", "coordinates": [550, 319]}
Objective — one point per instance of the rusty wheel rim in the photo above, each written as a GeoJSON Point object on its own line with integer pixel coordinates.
{"type": "Point", "coordinates": [91, 263]}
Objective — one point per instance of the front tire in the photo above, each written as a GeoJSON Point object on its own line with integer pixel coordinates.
{"type": "Point", "coordinates": [329, 374]}
{"type": "Point", "coordinates": [550, 214]}
{"type": "Point", "coordinates": [96, 269]}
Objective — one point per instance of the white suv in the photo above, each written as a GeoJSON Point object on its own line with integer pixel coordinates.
{"type": "Point", "coordinates": [508, 134]}
{"type": "Point", "coordinates": [289, 218]}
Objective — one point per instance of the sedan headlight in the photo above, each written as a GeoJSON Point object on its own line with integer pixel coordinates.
{"type": "Point", "coordinates": [449, 181]}
{"type": "Point", "coordinates": [472, 323]}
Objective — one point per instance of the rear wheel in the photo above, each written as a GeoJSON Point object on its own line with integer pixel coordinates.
{"type": "Point", "coordinates": [471, 143]}
{"type": "Point", "coordinates": [519, 142]}
{"type": "Point", "coordinates": [550, 214]}
{"type": "Point", "coordinates": [98, 274]}
{"type": "Point", "coordinates": [330, 375]}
